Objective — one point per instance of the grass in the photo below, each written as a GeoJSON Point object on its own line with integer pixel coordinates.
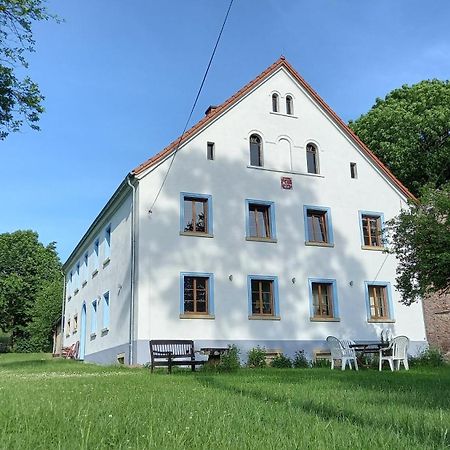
{"type": "Point", "coordinates": [46, 404]}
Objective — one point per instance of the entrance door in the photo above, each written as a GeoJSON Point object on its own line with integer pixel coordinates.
{"type": "Point", "coordinates": [82, 332]}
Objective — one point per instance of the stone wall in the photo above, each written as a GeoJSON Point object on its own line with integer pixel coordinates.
{"type": "Point", "coordinates": [437, 320]}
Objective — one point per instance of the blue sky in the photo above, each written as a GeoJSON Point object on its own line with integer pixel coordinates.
{"type": "Point", "coordinates": [120, 78]}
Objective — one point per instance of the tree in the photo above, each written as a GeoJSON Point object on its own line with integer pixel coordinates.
{"type": "Point", "coordinates": [20, 98]}
{"type": "Point", "coordinates": [420, 239]}
{"type": "Point", "coordinates": [29, 271]}
{"type": "Point", "coordinates": [410, 132]}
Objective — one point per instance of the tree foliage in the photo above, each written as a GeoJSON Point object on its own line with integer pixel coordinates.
{"type": "Point", "coordinates": [20, 98]}
{"type": "Point", "coordinates": [420, 239]}
{"type": "Point", "coordinates": [30, 288]}
{"type": "Point", "coordinates": [409, 131]}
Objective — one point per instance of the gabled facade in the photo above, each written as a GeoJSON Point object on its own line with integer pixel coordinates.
{"type": "Point", "coordinates": [266, 231]}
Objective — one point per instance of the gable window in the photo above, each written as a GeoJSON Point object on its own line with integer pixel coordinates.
{"type": "Point", "coordinates": [196, 214]}
{"type": "Point", "coordinates": [323, 298]}
{"type": "Point", "coordinates": [263, 296]}
{"type": "Point", "coordinates": [255, 151]}
{"type": "Point", "coordinates": [312, 160]}
{"type": "Point", "coordinates": [105, 311]}
{"type": "Point", "coordinates": [210, 150]}
{"type": "Point", "coordinates": [289, 105]}
{"type": "Point", "coordinates": [260, 220]}
{"type": "Point", "coordinates": [378, 302]}
{"type": "Point", "coordinates": [196, 295]}
{"type": "Point", "coordinates": [318, 227]}
{"type": "Point", "coordinates": [107, 249]}
{"type": "Point", "coordinates": [275, 104]}
{"type": "Point", "coordinates": [353, 170]}
{"type": "Point", "coordinates": [94, 306]}
{"type": "Point", "coordinates": [371, 227]}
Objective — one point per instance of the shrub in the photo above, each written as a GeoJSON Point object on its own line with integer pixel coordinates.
{"type": "Point", "coordinates": [257, 357]}
{"type": "Point", "coordinates": [430, 357]}
{"type": "Point", "coordinates": [300, 360]}
{"type": "Point", "coordinates": [281, 362]}
{"type": "Point", "coordinates": [229, 361]}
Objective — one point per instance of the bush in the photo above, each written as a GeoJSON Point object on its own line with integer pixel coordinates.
{"type": "Point", "coordinates": [257, 357]}
{"type": "Point", "coordinates": [281, 362]}
{"type": "Point", "coordinates": [300, 360]}
{"type": "Point", "coordinates": [430, 357]}
{"type": "Point", "coordinates": [229, 361]}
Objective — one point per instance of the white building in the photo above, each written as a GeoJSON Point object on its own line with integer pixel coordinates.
{"type": "Point", "coordinates": [266, 231]}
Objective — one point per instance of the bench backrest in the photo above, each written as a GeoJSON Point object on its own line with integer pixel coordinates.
{"type": "Point", "coordinates": [176, 349]}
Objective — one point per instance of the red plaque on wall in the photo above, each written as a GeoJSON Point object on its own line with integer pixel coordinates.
{"type": "Point", "coordinates": [286, 183]}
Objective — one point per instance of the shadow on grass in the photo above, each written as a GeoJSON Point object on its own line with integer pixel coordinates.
{"type": "Point", "coordinates": [425, 433]}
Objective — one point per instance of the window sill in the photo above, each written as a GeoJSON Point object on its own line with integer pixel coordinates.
{"type": "Point", "coordinates": [276, 113]}
{"type": "Point", "coordinates": [318, 244]}
{"type": "Point", "coordinates": [256, 239]}
{"type": "Point", "coordinates": [93, 335]}
{"type": "Point", "coordinates": [373, 248]}
{"type": "Point", "coordinates": [264, 317]}
{"type": "Point", "coordinates": [104, 331]}
{"type": "Point", "coordinates": [94, 273]}
{"type": "Point", "coordinates": [381, 321]}
{"type": "Point", "coordinates": [197, 316]}
{"type": "Point", "coordinates": [189, 233]}
{"type": "Point", "coordinates": [106, 262]}
{"type": "Point", "coordinates": [291, 172]}
{"type": "Point", "coordinates": [84, 284]}
{"type": "Point", "coordinates": [324, 319]}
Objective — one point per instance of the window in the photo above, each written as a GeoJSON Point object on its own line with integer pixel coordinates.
{"type": "Point", "coordinates": [263, 296]}
{"type": "Point", "coordinates": [289, 105]}
{"type": "Point", "coordinates": [96, 254]}
{"type": "Point", "coordinates": [353, 170]}
{"type": "Point", "coordinates": [85, 268]}
{"type": "Point", "coordinates": [196, 214]}
{"type": "Point", "coordinates": [323, 299]}
{"type": "Point", "coordinates": [312, 158]}
{"type": "Point", "coordinates": [94, 317]}
{"type": "Point", "coordinates": [318, 227]}
{"type": "Point", "coordinates": [106, 311]}
{"type": "Point", "coordinates": [196, 295]}
{"type": "Point", "coordinates": [255, 151]}
{"type": "Point", "coordinates": [210, 150]}
{"type": "Point", "coordinates": [275, 104]}
{"type": "Point", "coordinates": [68, 327]}
{"type": "Point", "coordinates": [107, 249]}
{"type": "Point", "coordinates": [378, 301]}
{"type": "Point", "coordinates": [71, 283]}
{"type": "Point", "coordinates": [371, 227]}
{"type": "Point", "coordinates": [77, 278]}
{"type": "Point", "coordinates": [75, 323]}
{"type": "Point", "coordinates": [260, 220]}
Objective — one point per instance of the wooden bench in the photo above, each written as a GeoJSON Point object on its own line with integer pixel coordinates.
{"type": "Point", "coordinates": [173, 353]}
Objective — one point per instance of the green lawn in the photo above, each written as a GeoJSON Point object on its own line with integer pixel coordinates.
{"type": "Point", "coordinates": [49, 404]}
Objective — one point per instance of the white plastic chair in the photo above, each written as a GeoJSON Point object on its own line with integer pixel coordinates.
{"type": "Point", "coordinates": [397, 353]}
{"type": "Point", "coordinates": [340, 350]}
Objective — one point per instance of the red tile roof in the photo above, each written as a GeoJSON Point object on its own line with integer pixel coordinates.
{"type": "Point", "coordinates": [214, 113]}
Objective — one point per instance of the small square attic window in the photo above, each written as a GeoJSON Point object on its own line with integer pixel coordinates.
{"type": "Point", "coordinates": [353, 170]}
{"type": "Point", "coordinates": [210, 150]}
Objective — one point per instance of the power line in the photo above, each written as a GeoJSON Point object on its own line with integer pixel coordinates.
{"type": "Point", "coordinates": [193, 106]}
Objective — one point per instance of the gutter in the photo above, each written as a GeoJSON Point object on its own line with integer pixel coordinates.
{"type": "Point", "coordinates": [132, 269]}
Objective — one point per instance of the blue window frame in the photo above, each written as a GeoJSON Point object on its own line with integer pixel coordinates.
{"type": "Point", "coordinates": [196, 214]}
{"type": "Point", "coordinates": [379, 304]}
{"type": "Point", "coordinates": [263, 299]}
{"type": "Point", "coordinates": [94, 306]}
{"type": "Point", "coordinates": [371, 225]}
{"type": "Point", "coordinates": [85, 267]}
{"type": "Point", "coordinates": [106, 307]}
{"type": "Point", "coordinates": [77, 277]}
{"type": "Point", "coordinates": [318, 225]}
{"type": "Point", "coordinates": [95, 253]}
{"type": "Point", "coordinates": [107, 240]}
{"type": "Point", "coordinates": [196, 294]}
{"type": "Point", "coordinates": [323, 299]}
{"type": "Point", "coordinates": [260, 220]}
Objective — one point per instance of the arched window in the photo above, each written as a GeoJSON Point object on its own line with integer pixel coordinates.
{"type": "Point", "coordinates": [275, 107]}
{"type": "Point", "coordinates": [289, 105]}
{"type": "Point", "coordinates": [255, 150]}
{"type": "Point", "coordinates": [312, 160]}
